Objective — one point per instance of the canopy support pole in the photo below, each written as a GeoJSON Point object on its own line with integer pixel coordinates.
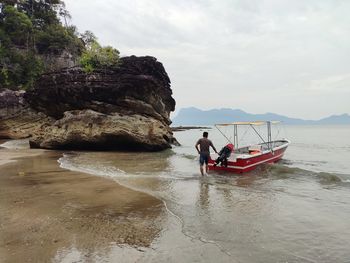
{"type": "Point", "coordinates": [235, 136]}
{"type": "Point", "coordinates": [269, 134]}
{"type": "Point", "coordinates": [268, 145]}
{"type": "Point", "coordinates": [223, 134]}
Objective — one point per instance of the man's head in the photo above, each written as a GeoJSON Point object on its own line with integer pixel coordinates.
{"type": "Point", "coordinates": [205, 134]}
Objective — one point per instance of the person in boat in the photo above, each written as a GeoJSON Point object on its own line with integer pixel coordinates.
{"type": "Point", "coordinates": [224, 154]}
{"type": "Point", "coordinates": [203, 151]}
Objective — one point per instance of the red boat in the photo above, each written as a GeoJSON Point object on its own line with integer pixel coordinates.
{"type": "Point", "coordinates": [247, 158]}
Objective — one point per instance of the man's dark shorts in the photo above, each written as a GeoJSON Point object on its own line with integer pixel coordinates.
{"type": "Point", "coordinates": [203, 158]}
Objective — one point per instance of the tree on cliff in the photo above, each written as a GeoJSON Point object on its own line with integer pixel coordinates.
{"type": "Point", "coordinates": [95, 56]}
{"type": "Point", "coordinates": [31, 30]}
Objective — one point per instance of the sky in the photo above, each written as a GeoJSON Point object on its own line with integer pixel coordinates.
{"type": "Point", "coordinates": [280, 56]}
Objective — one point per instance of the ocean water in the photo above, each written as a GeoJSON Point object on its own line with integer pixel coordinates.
{"type": "Point", "coordinates": [297, 210]}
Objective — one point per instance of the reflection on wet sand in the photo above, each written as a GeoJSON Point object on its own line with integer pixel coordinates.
{"type": "Point", "coordinates": [50, 213]}
{"type": "Point", "coordinates": [203, 198]}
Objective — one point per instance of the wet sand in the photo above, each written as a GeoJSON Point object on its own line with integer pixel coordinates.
{"type": "Point", "coordinates": [168, 212]}
{"type": "Point", "coordinates": [9, 156]}
{"type": "Point", "coordinates": [50, 214]}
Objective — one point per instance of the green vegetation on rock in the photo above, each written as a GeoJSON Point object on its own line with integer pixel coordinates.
{"type": "Point", "coordinates": [96, 56]}
{"type": "Point", "coordinates": [35, 35]}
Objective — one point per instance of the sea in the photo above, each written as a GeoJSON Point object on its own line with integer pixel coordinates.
{"type": "Point", "coordinates": [297, 210]}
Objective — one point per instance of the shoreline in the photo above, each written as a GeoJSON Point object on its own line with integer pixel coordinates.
{"type": "Point", "coordinates": [185, 128]}
{"type": "Point", "coordinates": [8, 156]}
{"type": "Point", "coordinates": [47, 209]}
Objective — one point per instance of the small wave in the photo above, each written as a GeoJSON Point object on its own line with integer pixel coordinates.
{"type": "Point", "coordinates": [67, 162]}
{"type": "Point", "coordinates": [16, 144]}
{"type": "Point", "coordinates": [189, 156]}
{"type": "Point", "coordinates": [285, 162]}
{"type": "Point", "coordinates": [72, 161]}
{"type": "Point", "coordinates": [282, 170]}
{"type": "Point", "coordinates": [328, 178]}
{"type": "Point", "coordinates": [279, 171]}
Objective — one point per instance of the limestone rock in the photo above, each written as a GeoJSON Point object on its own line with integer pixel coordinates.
{"type": "Point", "coordinates": [126, 108]}
{"type": "Point", "coordinates": [88, 129]}
{"type": "Point", "coordinates": [140, 85]}
{"type": "Point", "coordinates": [17, 119]}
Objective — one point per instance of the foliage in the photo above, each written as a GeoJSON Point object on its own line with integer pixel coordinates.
{"type": "Point", "coordinates": [41, 12]}
{"type": "Point", "coordinates": [16, 26]}
{"type": "Point", "coordinates": [30, 30]}
{"type": "Point", "coordinates": [88, 38]}
{"type": "Point", "coordinates": [19, 70]}
{"type": "Point", "coordinates": [55, 38]}
{"type": "Point", "coordinates": [95, 56]}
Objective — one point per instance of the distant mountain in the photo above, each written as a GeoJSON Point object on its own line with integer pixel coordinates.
{"type": "Point", "coordinates": [194, 116]}
{"type": "Point", "coordinates": [336, 119]}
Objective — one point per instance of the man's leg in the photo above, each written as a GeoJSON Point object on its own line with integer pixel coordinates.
{"type": "Point", "coordinates": [206, 160]}
{"type": "Point", "coordinates": [201, 162]}
{"type": "Point", "coordinates": [201, 169]}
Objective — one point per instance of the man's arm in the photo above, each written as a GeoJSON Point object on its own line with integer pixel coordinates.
{"type": "Point", "coordinates": [212, 145]}
{"type": "Point", "coordinates": [196, 146]}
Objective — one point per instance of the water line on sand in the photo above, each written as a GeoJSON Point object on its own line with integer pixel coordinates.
{"type": "Point", "coordinates": [178, 218]}
{"type": "Point", "coordinates": [89, 171]}
{"type": "Point", "coordinates": [193, 237]}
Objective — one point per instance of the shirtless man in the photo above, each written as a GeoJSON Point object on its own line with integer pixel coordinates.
{"type": "Point", "coordinates": [203, 151]}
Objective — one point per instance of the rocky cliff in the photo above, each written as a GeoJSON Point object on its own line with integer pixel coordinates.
{"type": "Point", "coordinates": [17, 119]}
{"type": "Point", "coordinates": [125, 108]}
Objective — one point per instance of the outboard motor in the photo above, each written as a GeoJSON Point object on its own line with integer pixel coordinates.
{"type": "Point", "coordinates": [224, 154]}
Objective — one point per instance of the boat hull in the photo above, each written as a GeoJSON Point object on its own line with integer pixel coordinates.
{"type": "Point", "coordinates": [246, 164]}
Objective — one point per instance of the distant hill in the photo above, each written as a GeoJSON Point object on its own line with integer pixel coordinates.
{"type": "Point", "coordinates": [194, 116]}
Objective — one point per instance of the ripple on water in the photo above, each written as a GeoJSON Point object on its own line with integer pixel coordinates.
{"type": "Point", "coordinates": [328, 178]}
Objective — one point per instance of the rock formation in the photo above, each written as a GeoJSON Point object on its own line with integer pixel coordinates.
{"type": "Point", "coordinates": [17, 119]}
{"type": "Point", "coordinates": [125, 108]}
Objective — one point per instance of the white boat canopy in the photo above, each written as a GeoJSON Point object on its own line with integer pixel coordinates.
{"type": "Point", "coordinates": [248, 123]}
{"type": "Point", "coordinates": [251, 124]}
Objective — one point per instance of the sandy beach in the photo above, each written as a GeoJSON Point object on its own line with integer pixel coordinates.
{"type": "Point", "coordinates": [51, 214]}
{"type": "Point", "coordinates": [100, 206]}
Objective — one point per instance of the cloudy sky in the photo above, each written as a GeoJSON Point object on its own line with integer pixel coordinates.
{"type": "Point", "coordinates": [281, 56]}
